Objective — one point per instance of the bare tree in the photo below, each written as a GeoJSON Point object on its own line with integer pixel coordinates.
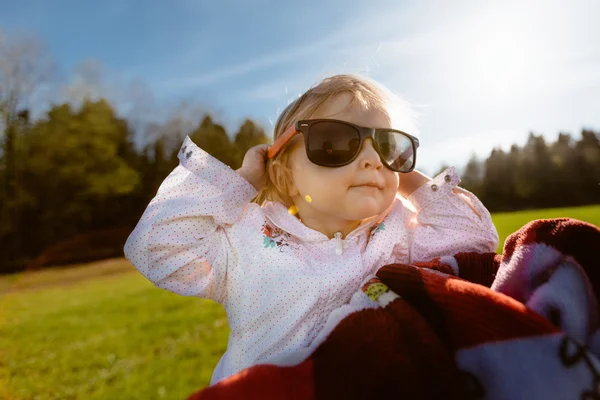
{"type": "Point", "coordinates": [88, 82]}
{"type": "Point", "coordinates": [24, 67]}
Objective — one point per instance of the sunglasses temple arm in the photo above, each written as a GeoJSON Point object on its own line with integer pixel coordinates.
{"type": "Point", "coordinates": [281, 141]}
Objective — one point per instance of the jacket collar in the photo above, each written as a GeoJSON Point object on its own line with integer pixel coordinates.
{"type": "Point", "coordinates": [278, 214]}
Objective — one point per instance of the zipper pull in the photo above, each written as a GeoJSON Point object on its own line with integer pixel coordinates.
{"type": "Point", "coordinates": [338, 244]}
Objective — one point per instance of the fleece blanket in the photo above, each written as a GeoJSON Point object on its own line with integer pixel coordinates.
{"type": "Point", "coordinates": [520, 325]}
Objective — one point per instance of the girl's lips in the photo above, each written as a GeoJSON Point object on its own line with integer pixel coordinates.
{"type": "Point", "coordinates": [369, 185]}
{"type": "Point", "coordinates": [368, 188]}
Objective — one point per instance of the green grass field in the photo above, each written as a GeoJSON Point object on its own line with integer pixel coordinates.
{"type": "Point", "coordinates": [101, 331]}
{"type": "Point", "coordinates": [507, 223]}
{"type": "Point", "coordinates": [101, 336]}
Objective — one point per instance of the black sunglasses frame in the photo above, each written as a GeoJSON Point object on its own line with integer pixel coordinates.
{"type": "Point", "coordinates": [364, 133]}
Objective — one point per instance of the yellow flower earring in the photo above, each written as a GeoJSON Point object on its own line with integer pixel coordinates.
{"type": "Point", "coordinates": [293, 210]}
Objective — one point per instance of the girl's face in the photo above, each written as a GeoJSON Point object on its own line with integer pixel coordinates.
{"type": "Point", "coordinates": [342, 196]}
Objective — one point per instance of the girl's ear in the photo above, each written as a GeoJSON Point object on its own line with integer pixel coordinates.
{"type": "Point", "coordinates": [292, 189]}
{"type": "Point", "coordinates": [283, 180]}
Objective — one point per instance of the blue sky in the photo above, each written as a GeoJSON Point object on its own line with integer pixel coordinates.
{"type": "Point", "coordinates": [479, 74]}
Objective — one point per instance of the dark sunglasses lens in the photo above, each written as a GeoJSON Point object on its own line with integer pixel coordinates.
{"type": "Point", "coordinates": [396, 150]}
{"type": "Point", "coordinates": [332, 143]}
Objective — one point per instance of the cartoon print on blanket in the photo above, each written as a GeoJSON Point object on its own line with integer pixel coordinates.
{"type": "Point", "coordinates": [520, 325]}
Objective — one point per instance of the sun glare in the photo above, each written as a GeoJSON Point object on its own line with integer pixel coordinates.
{"type": "Point", "coordinates": [500, 62]}
{"type": "Point", "coordinates": [503, 54]}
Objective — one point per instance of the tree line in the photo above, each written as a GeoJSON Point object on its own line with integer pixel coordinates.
{"type": "Point", "coordinates": [73, 180]}
{"type": "Point", "coordinates": [562, 173]}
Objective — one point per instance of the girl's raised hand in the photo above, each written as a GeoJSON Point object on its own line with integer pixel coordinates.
{"type": "Point", "coordinates": [253, 167]}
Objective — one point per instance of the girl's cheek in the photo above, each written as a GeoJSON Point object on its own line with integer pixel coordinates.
{"type": "Point", "coordinates": [394, 180]}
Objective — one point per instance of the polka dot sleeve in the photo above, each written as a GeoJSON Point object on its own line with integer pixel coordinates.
{"type": "Point", "coordinates": [179, 243]}
{"type": "Point", "coordinates": [445, 224]}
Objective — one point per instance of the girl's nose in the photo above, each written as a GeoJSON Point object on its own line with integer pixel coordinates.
{"type": "Point", "coordinates": [368, 156]}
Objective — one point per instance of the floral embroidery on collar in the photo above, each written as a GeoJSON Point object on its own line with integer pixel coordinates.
{"type": "Point", "coordinates": [275, 237]}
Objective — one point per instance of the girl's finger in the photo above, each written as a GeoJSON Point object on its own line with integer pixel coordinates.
{"type": "Point", "coordinates": [264, 148]}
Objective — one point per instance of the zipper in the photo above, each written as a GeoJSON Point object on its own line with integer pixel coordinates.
{"type": "Point", "coordinates": [339, 249]}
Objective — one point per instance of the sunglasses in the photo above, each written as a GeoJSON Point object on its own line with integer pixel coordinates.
{"type": "Point", "coordinates": [334, 143]}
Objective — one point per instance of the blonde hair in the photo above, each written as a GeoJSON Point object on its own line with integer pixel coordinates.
{"type": "Point", "coordinates": [365, 92]}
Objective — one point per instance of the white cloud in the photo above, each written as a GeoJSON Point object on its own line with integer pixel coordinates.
{"type": "Point", "coordinates": [255, 64]}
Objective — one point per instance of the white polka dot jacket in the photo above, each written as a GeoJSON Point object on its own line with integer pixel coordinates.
{"type": "Point", "coordinates": [278, 279]}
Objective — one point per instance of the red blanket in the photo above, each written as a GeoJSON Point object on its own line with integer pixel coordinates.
{"type": "Point", "coordinates": [523, 324]}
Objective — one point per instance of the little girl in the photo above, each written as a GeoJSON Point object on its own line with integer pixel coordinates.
{"type": "Point", "coordinates": [335, 198]}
